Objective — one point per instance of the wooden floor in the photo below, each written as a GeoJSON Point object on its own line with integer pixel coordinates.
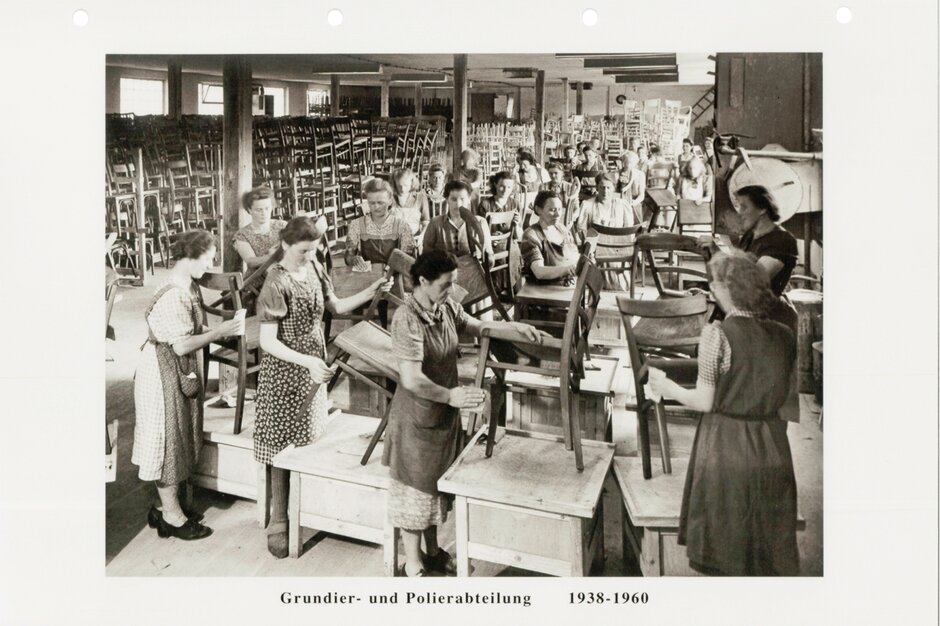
{"type": "Point", "coordinates": [238, 546]}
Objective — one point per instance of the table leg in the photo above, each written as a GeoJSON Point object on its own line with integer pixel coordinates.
{"type": "Point", "coordinates": [627, 548]}
{"type": "Point", "coordinates": [461, 525]}
{"type": "Point", "coordinates": [293, 516]}
{"type": "Point", "coordinates": [390, 549]}
{"type": "Point", "coordinates": [576, 537]}
{"type": "Point", "coordinates": [264, 495]}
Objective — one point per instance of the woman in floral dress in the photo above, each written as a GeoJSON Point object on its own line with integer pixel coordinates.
{"type": "Point", "coordinates": [291, 398]}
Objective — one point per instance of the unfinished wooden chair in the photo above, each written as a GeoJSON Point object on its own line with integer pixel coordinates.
{"type": "Point", "coordinates": [560, 358]}
{"type": "Point", "coordinates": [661, 334]}
{"type": "Point", "coordinates": [694, 218]}
{"type": "Point", "coordinates": [241, 353]}
{"type": "Point", "coordinates": [651, 245]}
{"type": "Point", "coordinates": [502, 237]}
{"type": "Point", "coordinates": [614, 252]}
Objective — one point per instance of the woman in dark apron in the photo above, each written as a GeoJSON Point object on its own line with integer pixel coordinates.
{"type": "Point", "coordinates": [738, 515]}
{"type": "Point", "coordinates": [375, 235]}
{"type": "Point", "coordinates": [424, 416]}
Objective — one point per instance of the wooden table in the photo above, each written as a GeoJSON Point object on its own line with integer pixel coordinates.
{"type": "Point", "coordinates": [332, 492]}
{"type": "Point", "coordinates": [651, 523]}
{"type": "Point", "coordinates": [527, 506]}
{"type": "Point", "coordinates": [227, 462]}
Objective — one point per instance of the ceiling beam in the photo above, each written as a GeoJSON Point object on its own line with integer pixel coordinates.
{"type": "Point", "coordinates": [665, 59]}
{"type": "Point", "coordinates": [659, 69]}
{"type": "Point", "coordinates": [648, 78]}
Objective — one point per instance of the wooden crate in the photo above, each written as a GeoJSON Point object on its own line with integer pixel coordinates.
{"type": "Point", "coordinates": [332, 492]}
{"type": "Point", "coordinates": [527, 506]}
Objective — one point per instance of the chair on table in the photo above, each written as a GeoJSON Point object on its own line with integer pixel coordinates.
{"type": "Point", "coordinates": [243, 352]}
{"type": "Point", "coordinates": [502, 238]}
{"type": "Point", "coordinates": [694, 218]}
{"type": "Point", "coordinates": [567, 355]}
{"type": "Point", "coordinates": [665, 337]}
{"type": "Point", "coordinates": [648, 245]}
{"type": "Point", "coordinates": [614, 252]}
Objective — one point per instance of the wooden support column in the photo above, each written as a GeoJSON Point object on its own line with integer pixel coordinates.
{"type": "Point", "coordinates": [540, 115]}
{"type": "Point", "coordinates": [565, 110]}
{"type": "Point", "coordinates": [384, 99]}
{"type": "Point", "coordinates": [236, 151]}
{"type": "Point", "coordinates": [419, 100]}
{"type": "Point", "coordinates": [460, 107]}
{"type": "Point", "coordinates": [579, 99]}
{"type": "Point", "coordinates": [334, 95]}
{"type": "Point", "coordinates": [608, 101]}
{"type": "Point", "coordinates": [174, 87]}
{"type": "Point", "coordinates": [517, 107]}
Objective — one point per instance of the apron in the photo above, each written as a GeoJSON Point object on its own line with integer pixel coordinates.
{"type": "Point", "coordinates": [422, 437]}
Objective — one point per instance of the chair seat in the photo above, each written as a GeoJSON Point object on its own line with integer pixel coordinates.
{"type": "Point", "coordinates": [669, 332]}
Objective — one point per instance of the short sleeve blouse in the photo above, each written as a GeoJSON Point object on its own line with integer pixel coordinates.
{"type": "Point", "coordinates": [272, 301]}
{"type": "Point", "coordinates": [260, 243]}
{"type": "Point", "coordinates": [171, 319]}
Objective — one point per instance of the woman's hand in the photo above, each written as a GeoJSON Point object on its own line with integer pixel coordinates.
{"type": "Point", "coordinates": [466, 397]}
{"type": "Point", "coordinates": [231, 328]}
{"type": "Point", "coordinates": [319, 371]}
{"type": "Point", "coordinates": [530, 332]}
{"type": "Point", "coordinates": [658, 384]}
{"type": "Point", "coordinates": [382, 285]}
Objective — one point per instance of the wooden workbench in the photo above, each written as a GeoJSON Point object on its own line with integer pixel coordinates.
{"type": "Point", "coordinates": [227, 462]}
{"type": "Point", "coordinates": [331, 491]}
{"type": "Point", "coordinates": [527, 506]}
{"type": "Point", "coordinates": [651, 522]}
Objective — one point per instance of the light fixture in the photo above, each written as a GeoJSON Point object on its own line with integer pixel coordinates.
{"type": "Point", "coordinates": [656, 69]}
{"type": "Point", "coordinates": [519, 72]}
{"type": "Point", "coordinates": [342, 65]}
{"type": "Point", "coordinates": [426, 77]}
{"type": "Point", "coordinates": [648, 78]}
{"type": "Point", "coordinates": [645, 61]}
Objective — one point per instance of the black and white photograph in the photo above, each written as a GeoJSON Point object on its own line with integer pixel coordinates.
{"type": "Point", "coordinates": [523, 300]}
{"type": "Point", "coordinates": [468, 314]}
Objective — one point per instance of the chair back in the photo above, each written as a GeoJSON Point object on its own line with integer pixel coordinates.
{"type": "Point", "coordinates": [694, 214]}
{"type": "Point", "coordinates": [648, 243]}
{"type": "Point", "coordinates": [230, 285]}
{"type": "Point", "coordinates": [580, 319]}
{"type": "Point", "coordinates": [398, 267]}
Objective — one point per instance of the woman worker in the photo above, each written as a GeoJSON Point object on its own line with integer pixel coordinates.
{"type": "Point", "coordinates": [549, 253]}
{"type": "Point", "coordinates": [410, 203]}
{"type": "Point", "coordinates": [738, 514]}
{"type": "Point", "coordinates": [257, 241]}
{"type": "Point", "coordinates": [424, 416]}
{"type": "Point", "coordinates": [168, 386]}
{"type": "Point", "coordinates": [291, 398]}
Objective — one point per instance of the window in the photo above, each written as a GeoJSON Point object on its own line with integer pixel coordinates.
{"type": "Point", "coordinates": [142, 97]}
{"type": "Point", "coordinates": [280, 100]}
{"type": "Point", "coordinates": [318, 102]}
{"type": "Point", "coordinates": [210, 99]}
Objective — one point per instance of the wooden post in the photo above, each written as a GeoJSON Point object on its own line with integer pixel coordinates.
{"type": "Point", "coordinates": [174, 87]}
{"type": "Point", "coordinates": [460, 107]}
{"type": "Point", "coordinates": [608, 101]}
{"type": "Point", "coordinates": [236, 151]}
{"type": "Point", "coordinates": [334, 95]}
{"type": "Point", "coordinates": [517, 109]}
{"type": "Point", "coordinates": [419, 100]}
{"type": "Point", "coordinates": [539, 115]}
{"type": "Point", "coordinates": [384, 99]}
{"type": "Point", "coordinates": [566, 110]}
{"type": "Point", "coordinates": [141, 233]}
{"type": "Point", "coordinates": [579, 99]}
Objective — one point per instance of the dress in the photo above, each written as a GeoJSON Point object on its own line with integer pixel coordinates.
{"type": "Point", "coordinates": [777, 244]}
{"type": "Point", "coordinates": [412, 210]}
{"type": "Point", "coordinates": [168, 426]}
{"type": "Point", "coordinates": [738, 514]}
{"type": "Point", "coordinates": [261, 244]}
{"type": "Point", "coordinates": [297, 307]}
{"type": "Point", "coordinates": [535, 246]}
{"type": "Point", "coordinates": [617, 215]}
{"type": "Point", "coordinates": [421, 440]}
{"type": "Point", "coordinates": [376, 243]}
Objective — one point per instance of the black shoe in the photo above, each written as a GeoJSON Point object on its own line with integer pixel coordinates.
{"type": "Point", "coordinates": [187, 532]}
{"type": "Point", "coordinates": [154, 515]}
{"type": "Point", "coordinates": [441, 563]}
{"type": "Point", "coordinates": [403, 572]}
{"type": "Point", "coordinates": [277, 545]}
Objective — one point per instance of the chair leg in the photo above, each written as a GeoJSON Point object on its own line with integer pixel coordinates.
{"type": "Point", "coordinates": [574, 419]}
{"type": "Point", "coordinates": [481, 372]}
{"type": "Point", "coordinates": [241, 381]}
{"type": "Point", "coordinates": [379, 431]}
{"type": "Point", "coordinates": [664, 450]}
{"type": "Point", "coordinates": [643, 443]}
{"type": "Point", "coordinates": [565, 399]}
{"type": "Point", "coordinates": [341, 357]}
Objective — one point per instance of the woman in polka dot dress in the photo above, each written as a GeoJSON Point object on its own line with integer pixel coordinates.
{"type": "Point", "coordinates": [291, 398]}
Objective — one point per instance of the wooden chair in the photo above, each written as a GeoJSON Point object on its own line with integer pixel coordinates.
{"type": "Point", "coordinates": [240, 352]}
{"type": "Point", "coordinates": [665, 329]}
{"type": "Point", "coordinates": [502, 238]}
{"type": "Point", "coordinates": [695, 218]}
{"type": "Point", "coordinates": [650, 244]}
{"type": "Point", "coordinates": [614, 252]}
{"type": "Point", "coordinates": [569, 353]}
